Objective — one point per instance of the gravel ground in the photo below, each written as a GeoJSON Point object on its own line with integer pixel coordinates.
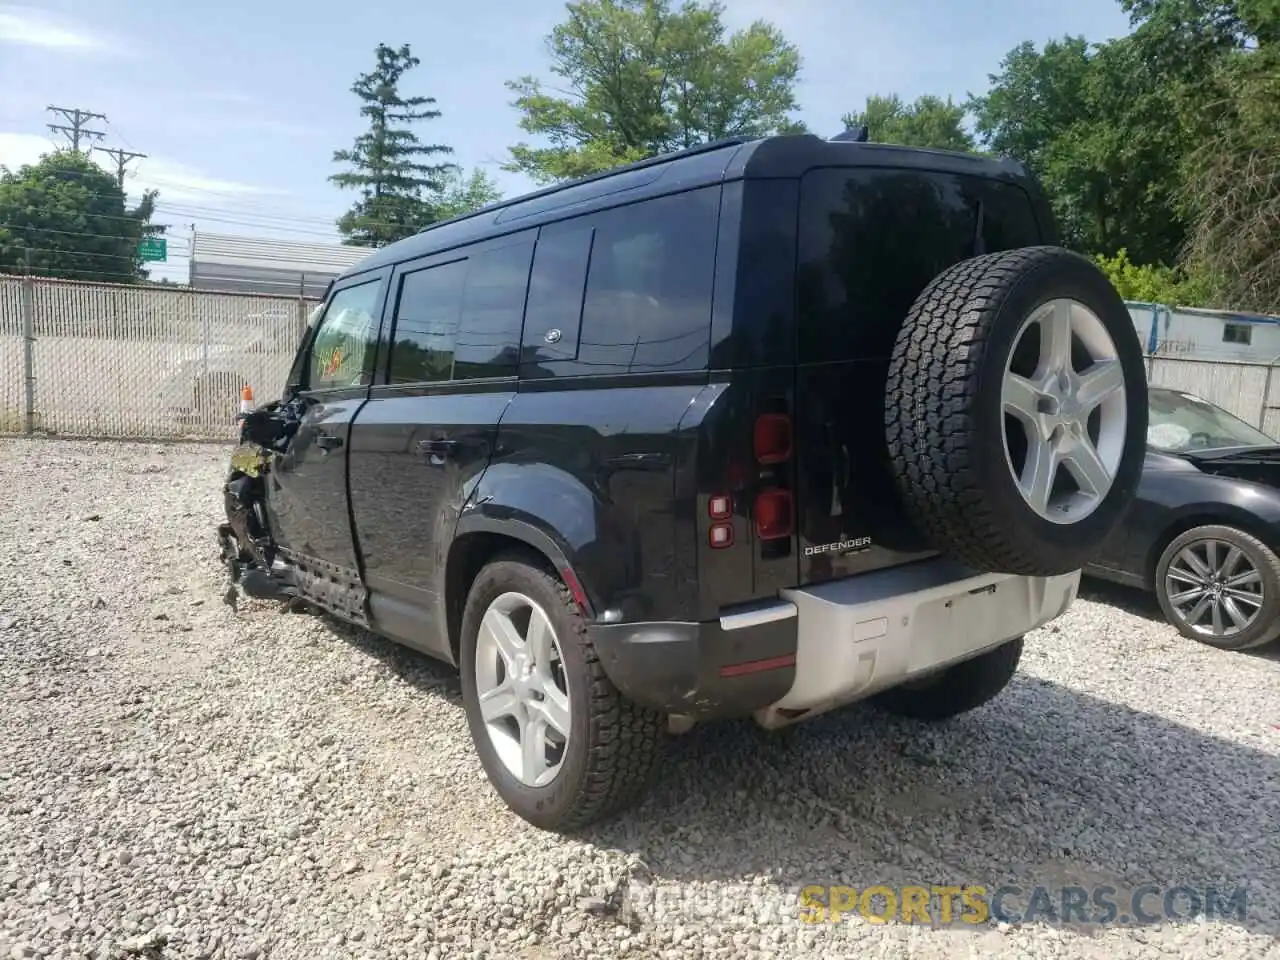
{"type": "Point", "coordinates": [179, 779]}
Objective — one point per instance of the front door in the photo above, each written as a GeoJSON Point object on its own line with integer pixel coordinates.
{"type": "Point", "coordinates": [307, 484]}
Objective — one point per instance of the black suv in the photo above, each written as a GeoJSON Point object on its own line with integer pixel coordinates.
{"type": "Point", "coordinates": [757, 429]}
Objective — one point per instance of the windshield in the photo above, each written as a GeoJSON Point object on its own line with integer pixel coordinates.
{"type": "Point", "coordinates": [1184, 423]}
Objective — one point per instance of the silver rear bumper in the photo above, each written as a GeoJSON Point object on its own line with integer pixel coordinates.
{"type": "Point", "coordinates": [864, 634]}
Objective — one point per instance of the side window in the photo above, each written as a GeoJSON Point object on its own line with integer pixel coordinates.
{"type": "Point", "coordinates": [556, 285]}
{"type": "Point", "coordinates": [627, 290]}
{"type": "Point", "coordinates": [461, 320]}
{"type": "Point", "coordinates": [426, 324]}
{"type": "Point", "coordinates": [342, 353]}
{"type": "Point", "coordinates": [488, 343]}
{"type": "Point", "coordinates": [648, 297]}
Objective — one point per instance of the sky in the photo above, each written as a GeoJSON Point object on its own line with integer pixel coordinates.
{"type": "Point", "coordinates": [239, 105]}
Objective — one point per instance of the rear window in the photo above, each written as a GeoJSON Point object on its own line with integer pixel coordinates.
{"type": "Point", "coordinates": [871, 240]}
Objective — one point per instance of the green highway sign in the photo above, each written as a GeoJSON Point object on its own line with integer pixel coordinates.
{"type": "Point", "coordinates": [151, 249]}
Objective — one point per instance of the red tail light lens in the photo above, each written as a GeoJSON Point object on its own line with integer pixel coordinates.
{"type": "Point", "coordinates": [720, 507]}
{"type": "Point", "coordinates": [772, 438]}
{"type": "Point", "coordinates": [773, 514]}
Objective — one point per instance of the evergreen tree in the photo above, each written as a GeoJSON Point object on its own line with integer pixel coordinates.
{"type": "Point", "coordinates": [389, 164]}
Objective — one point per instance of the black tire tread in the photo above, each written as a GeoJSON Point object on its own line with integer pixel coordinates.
{"type": "Point", "coordinates": [626, 740]}
{"type": "Point", "coordinates": [959, 689]}
{"type": "Point", "coordinates": [934, 376]}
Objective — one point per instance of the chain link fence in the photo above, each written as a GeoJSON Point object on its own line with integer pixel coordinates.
{"type": "Point", "coordinates": [97, 360]}
{"type": "Point", "coordinates": [101, 360]}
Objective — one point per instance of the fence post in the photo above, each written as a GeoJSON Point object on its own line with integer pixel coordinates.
{"type": "Point", "coordinates": [28, 345]}
{"type": "Point", "coordinates": [1266, 394]}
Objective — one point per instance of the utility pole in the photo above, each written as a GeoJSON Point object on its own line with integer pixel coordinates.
{"type": "Point", "coordinates": [122, 158]}
{"type": "Point", "coordinates": [77, 131]}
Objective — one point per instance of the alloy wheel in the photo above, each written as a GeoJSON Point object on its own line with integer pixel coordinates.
{"type": "Point", "coordinates": [521, 689]}
{"type": "Point", "coordinates": [1064, 388]}
{"type": "Point", "coordinates": [1214, 588]}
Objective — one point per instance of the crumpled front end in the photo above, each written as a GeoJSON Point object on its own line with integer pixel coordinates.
{"type": "Point", "coordinates": [248, 548]}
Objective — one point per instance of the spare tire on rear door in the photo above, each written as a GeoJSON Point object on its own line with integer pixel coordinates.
{"type": "Point", "coordinates": [1016, 411]}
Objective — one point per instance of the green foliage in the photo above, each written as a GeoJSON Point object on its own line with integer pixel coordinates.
{"type": "Point", "coordinates": [637, 78]}
{"type": "Point", "coordinates": [398, 191]}
{"type": "Point", "coordinates": [1231, 185]}
{"type": "Point", "coordinates": [460, 195]}
{"type": "Point", "coordinates": [1098, 127]}
{"type": "Point", "coordinates": [1152, 283]}
{"type": "Point", "coordinates": [927, 122]}
{"type": "Point", "coordinates": [75, 220]}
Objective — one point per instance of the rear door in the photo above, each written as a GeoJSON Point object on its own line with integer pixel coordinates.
{"type": "Point", "coordinates": [428, 432]}
{"type": "Point", "coordinates": [870, 240]}
{"type": "Point", "coordinates": [307, 490]}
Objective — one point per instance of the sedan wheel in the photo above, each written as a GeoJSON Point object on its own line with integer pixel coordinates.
{"type": "Point", "coordinates": [1220, 586]}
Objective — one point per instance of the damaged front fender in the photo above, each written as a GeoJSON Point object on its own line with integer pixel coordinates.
{"type": "Point", "coordinates": [248, 548]}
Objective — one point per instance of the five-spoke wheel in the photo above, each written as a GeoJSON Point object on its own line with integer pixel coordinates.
{"type": "Point", "coordinates": [521, 689]}
{"type": "Point", "coordinates": [1070, 402]}
{"type": "Point", "coordinates": [558, 741]}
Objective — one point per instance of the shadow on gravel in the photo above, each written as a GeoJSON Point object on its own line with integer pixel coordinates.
{"type": "Point", "coordinates": [1139, 603]}
{"type": "Point", "coordinates": [1131, 600]}
{"type": "Point", "coordinates": [1043, 788]}
{"type": "Point", "coordinates": [416, 669]}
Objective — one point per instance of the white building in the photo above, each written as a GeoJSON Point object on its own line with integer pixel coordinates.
{"type": "Point", "coordinates": [1199, 334]}
{"type": "Point", "coordinates": [232, 264]}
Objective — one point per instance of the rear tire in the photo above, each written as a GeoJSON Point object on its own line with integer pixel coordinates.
{"type": "Point", "coordinates": [1016, 411]}
{"type": "Point", "coordinates": [956, 690]}
{"type": "Point", "coordinates": [1230, 557]}
{"type": "Point", "coordinates": [612, 745]}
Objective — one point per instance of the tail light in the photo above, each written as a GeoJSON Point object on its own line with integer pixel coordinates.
{"type": "Point", "coordinates": [772, 438]}
{"type": "Point", "coordinates": [720, 510]}
{"type": "Point", "coordinates": [774, 512]}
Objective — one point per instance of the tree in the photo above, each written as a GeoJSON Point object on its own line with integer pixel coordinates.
{"type": "Point", "coordinates": [396, 186]}
{"type": "Point", "coordinates": [460, 195]}
{"type": "Point", "coordinates": [1231, 187]}
{"type": "Point", "coordinates": [927, 122]}
{"type": "Point", "coordinates": [641, 77]}
{"type": "Point", "coordinates": [74, 219]}
{"type": "Point", "coordinates": [1099, 127]}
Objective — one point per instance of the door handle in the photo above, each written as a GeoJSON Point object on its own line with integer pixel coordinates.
{"type": "Point", "coordinates": [326, 442]}
{"type": "Point", "coordinates": [436, 448]}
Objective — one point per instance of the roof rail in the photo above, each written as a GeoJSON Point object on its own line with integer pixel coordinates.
{"type": "Point", "coordinates": [613, 171]}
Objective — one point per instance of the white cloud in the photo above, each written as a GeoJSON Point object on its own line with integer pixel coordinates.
{"type": "Point", "coordinates": [176, 181]}
{"type": "Point", "coordinates": [18, 149]}
{"type": "Point", "coordinates": [34, 28]}
{"type": "Point", "coordinates": [179, 183]}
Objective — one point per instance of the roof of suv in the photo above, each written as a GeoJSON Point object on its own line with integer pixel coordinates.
{"type": "Point", "coordinates": [718, 162]}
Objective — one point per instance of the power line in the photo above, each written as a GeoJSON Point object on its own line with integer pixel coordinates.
{"type": "Point", "coordinates": [77, 118]}
{"type": "Point", "coordinates": [121, 157]}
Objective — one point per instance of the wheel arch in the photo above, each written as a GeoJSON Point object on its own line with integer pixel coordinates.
{"type": "Point", "coordinates": [477, 541]}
